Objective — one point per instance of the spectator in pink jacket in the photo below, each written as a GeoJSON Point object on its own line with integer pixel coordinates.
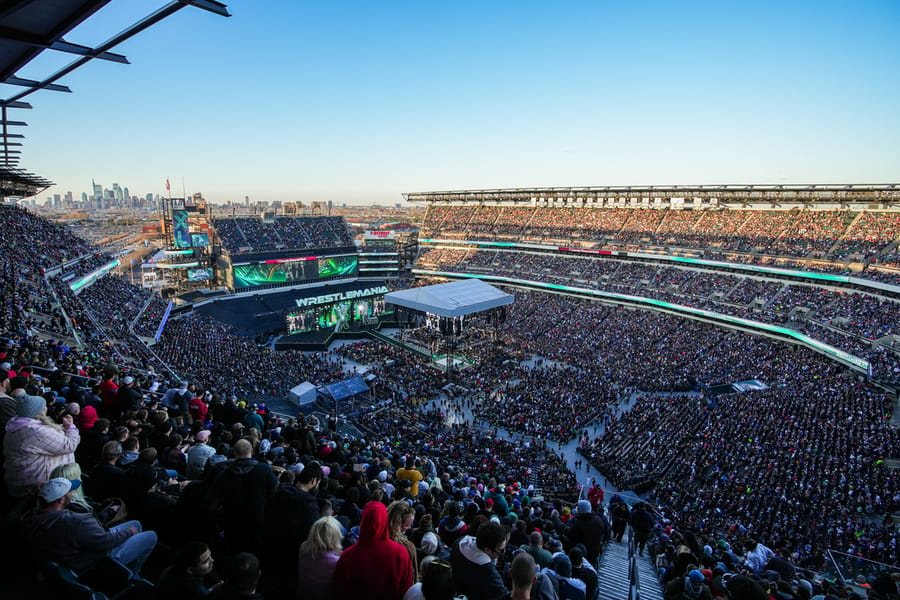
{"type": "Point", "coordinates": [34, 445]}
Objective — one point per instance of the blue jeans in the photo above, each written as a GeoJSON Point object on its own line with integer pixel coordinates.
{"type": "Point", "coordinates": [134, 551]}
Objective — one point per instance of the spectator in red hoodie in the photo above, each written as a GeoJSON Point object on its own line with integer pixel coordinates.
{"type": "Point", "coordinates": [109, 393]}
{"type": "Point", "coordinates": [199, 407]}
{"type": "Point", "coordinates": [595, 496]}
{"type": "Point", "coordinates": [374, 567]}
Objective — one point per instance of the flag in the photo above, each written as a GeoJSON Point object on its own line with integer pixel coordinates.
{"type": "Point", "coordinates": [168, 187]}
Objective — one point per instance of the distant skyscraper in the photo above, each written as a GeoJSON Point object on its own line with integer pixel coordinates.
{"type": "Point", "coordinates": [98, 190]}
{"type": "Point", "coordinates": [84, 198]}
{"type": "Point", "coordinates": [246, 200]}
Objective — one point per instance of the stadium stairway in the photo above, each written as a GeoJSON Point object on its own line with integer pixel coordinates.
{"type": "Point", "coordinates": [613, 574]}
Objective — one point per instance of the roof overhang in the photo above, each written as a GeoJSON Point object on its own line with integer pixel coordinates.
{"type": "Point", "coordinates": [454, 299]}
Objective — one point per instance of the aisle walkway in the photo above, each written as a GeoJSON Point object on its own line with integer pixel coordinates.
{"type": "Point", "coordinates": [613, 574]}
{"type": "Point", "coordinates": [569, 451]}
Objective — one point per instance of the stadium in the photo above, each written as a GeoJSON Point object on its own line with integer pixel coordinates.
{"type": "Point", "coordinates": [720, 362]}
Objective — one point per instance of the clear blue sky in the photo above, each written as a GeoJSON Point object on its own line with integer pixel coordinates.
{"type": "Point", "coordinates": [360, 101]}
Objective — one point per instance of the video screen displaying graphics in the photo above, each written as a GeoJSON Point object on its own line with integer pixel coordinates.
{"type": "Point", "coordinates": [330, 315]}
{"type": "Point", "coordinates": [302, 321]}
{"type": "Point", "coordinates": [268, 273]}
{"type": "Point", "coordinates": [333, 266]}
{"type": "Point", "coordinates": [324, 317]}
{"type": "Point", "coordinates": [366, 309]}
{"type": "Point", "coordinates": [199, 239]}
{"type": "Point", "coordinates": [199, 274]}
{"type": "Point", "coordinates": [180, 229]}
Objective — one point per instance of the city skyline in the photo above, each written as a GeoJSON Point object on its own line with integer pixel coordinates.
{"type": "Point", "coordinates": [359, 104]}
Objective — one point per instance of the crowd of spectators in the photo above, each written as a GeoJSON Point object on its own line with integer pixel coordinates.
{"type": "Point", "coordinates": [252, 234]}
{"type": "Point", "coordinates": [856, 321]}
{"type": "Point", "coordinates": [206, 350]}
{"type": "Point", "coordinates": [756, 236]}
{"type": "Point", "coordinates": [211, 473]}
{"type": "Point", "coordinates": [719, 467]}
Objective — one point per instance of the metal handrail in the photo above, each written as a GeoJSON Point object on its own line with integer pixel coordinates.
{"type": "Point", "coordinates": [634, 583]}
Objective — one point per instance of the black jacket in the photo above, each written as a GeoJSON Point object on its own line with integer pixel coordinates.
{"type": "Point", "coordinates": [474, 574]}
{"type": "Point", "coordinates": [589, 530]}
{"type": "Point", "coordinates": [239, 495]}
{"type": "Point", "coordinates": [290, 513]}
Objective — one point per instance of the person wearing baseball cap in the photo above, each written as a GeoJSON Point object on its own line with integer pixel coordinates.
{"type": "Point", "coordinates": [58, 488]}
{"type": "Point", "coordinates": [77, 540]}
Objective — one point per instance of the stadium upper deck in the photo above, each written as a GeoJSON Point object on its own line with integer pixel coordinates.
{"type": "Point", "coordinates": [854, 227]}
{"type": "Point", "coordinates": [245, 235]}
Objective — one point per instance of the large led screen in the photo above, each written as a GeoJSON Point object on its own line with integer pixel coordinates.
{"type": "Point", "coordinates": [180, 229]}
{"type": "Point", "coordinates": [333, 266]}
{"type": "Point", "coordinates": [199, 274]}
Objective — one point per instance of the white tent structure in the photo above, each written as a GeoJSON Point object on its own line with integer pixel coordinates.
{"type": "Point", "coordinates": [451, 300]}
{"type": "Point", "coordinates": [303, 394]}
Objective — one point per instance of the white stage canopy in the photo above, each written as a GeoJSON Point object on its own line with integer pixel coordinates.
{"type": "Point", "coordinates": [303, 394]}
{"type": "Point", "coordinates": [450, 300]}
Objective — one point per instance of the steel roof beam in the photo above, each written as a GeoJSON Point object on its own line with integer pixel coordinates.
{"type": "Point", "coordinates": [30, 39]}
{"type": "Point", "coordinates": [70, 48]}
{"type": "Point", "coordinates": [36, 85]}
{"type": "Point", "coordinates": [210, 5]}
{"type": "Point", "coordinates": [132, 31]}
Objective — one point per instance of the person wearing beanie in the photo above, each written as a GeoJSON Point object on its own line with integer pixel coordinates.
{"type": "Point", "coordinates": [34, 445]}
{"type": "Point", "coordinates": [693, 587]}
{"type": "Point", "coordinates": [560, 571]}
{"type": "Point", "coordinates": [199, 454]}
{"type": "Point", "coordinates": [452, 527]}
{"type": "Point", "coordinates": [430, 543]}
{"type": "Point", "coordinates": [586, 527]}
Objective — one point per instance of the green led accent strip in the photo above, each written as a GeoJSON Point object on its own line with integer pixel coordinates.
{"type": "Point", "coordinates": [744, 267]}
{"type": "Point", "coordinates": [845, 357]}
{"type": "Point", "coordinates": [77, 285]}
{"type": "Point", "coordinates": [501, 244]}
{"type": "Point", "coordinates": [178, 251]}
{"type": "Point", "coordinates": [666, 257]}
